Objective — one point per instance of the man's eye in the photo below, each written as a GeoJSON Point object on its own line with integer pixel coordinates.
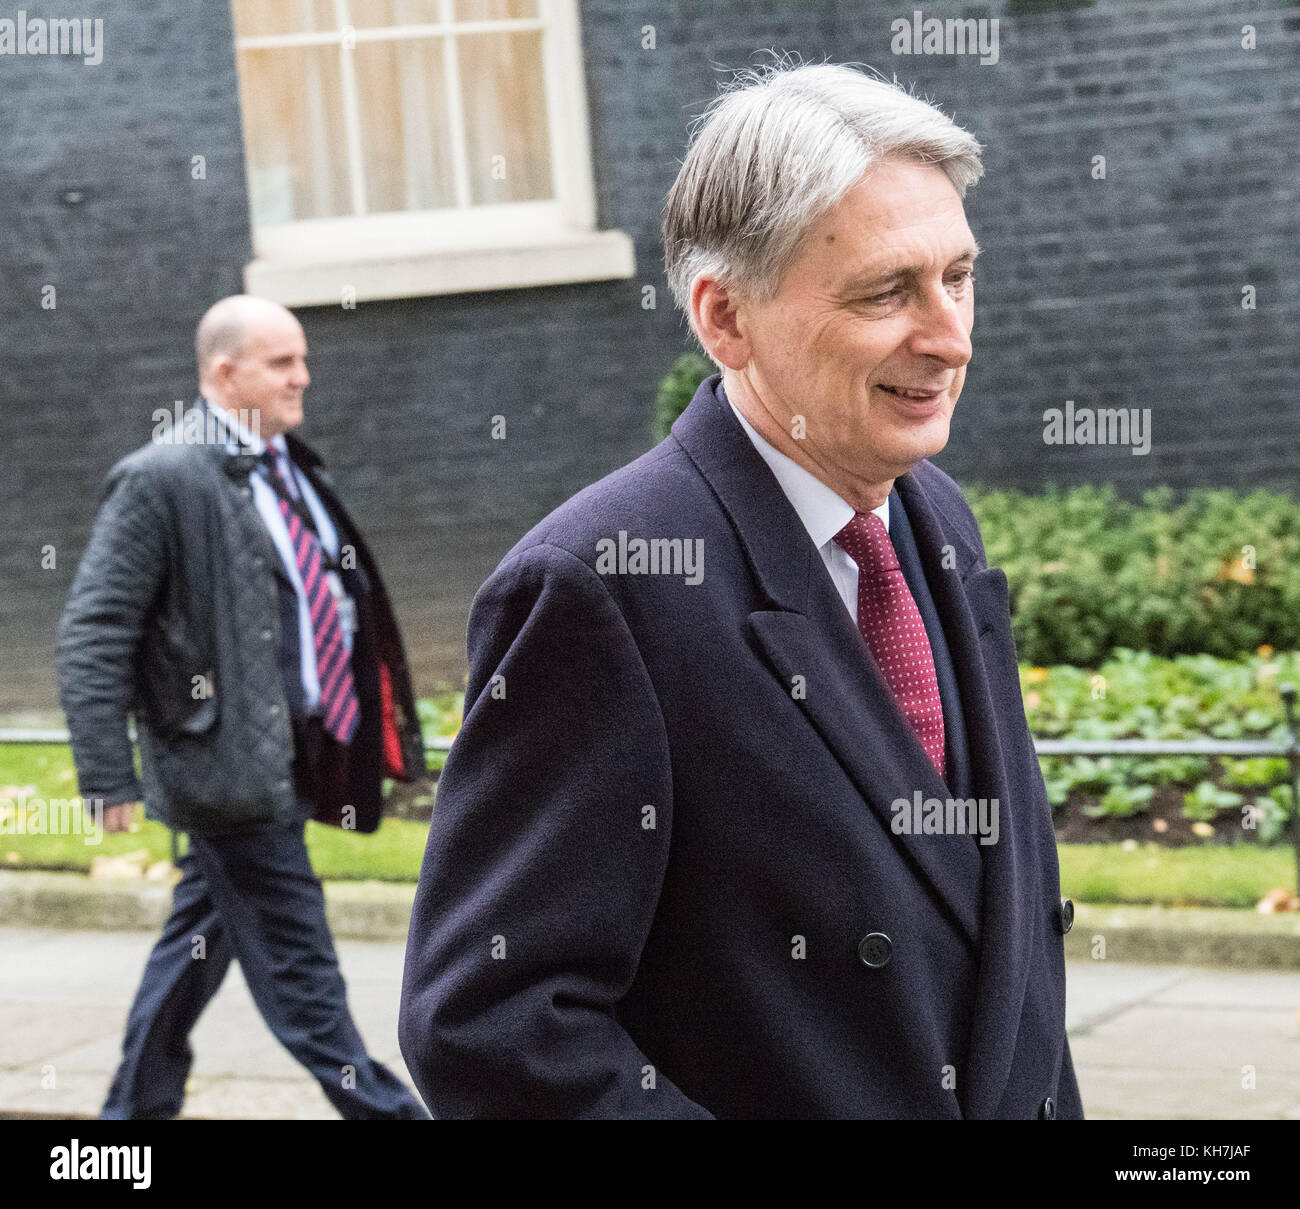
{"type": "Point", "coordinates": [963, 279]}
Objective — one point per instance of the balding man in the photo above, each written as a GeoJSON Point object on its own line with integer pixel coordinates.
{"type": "Point", "coordinates": [227, 601]}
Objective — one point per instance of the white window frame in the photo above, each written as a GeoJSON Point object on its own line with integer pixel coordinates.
{"type": "Point", "coordinates": [367, 257]}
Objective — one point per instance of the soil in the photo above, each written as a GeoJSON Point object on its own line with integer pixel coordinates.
{"type": "Point", "coordinates": [1075, 827]}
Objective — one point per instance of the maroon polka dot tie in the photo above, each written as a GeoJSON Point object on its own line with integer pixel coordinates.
{"type": "Point", "coordinates": [891, 623]}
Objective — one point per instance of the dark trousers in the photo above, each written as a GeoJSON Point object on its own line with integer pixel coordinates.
{"type": "Point", "coordinates": [254, 897]}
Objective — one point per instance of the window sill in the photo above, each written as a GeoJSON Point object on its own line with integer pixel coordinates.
{"type": "Point", "coordinates": [297, 271]}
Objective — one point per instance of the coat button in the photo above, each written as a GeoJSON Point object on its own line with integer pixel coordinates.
{"type": "Point", "coordinates": [267, 635]}
{"type": "Point", "coordinates": [1065, 916]}
{"type": "Point", "coordinates": [874, 950]}
{"type": "Point", "coordinates": [1047, 1110]}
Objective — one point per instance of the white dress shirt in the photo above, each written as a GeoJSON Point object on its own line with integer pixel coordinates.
{"type": "Point", "coordinates": [268, 507]}
{"type": "Point", "coordinates": [822, 512]}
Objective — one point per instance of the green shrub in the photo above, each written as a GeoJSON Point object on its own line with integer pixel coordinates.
{"type": "Point", "coordinates": [1217, 573]}
{"type": "Point", "coordinates": [678, 389]}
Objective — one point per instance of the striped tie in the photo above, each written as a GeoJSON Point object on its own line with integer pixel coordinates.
{"type": "Point", "coordinates": [338, 697]}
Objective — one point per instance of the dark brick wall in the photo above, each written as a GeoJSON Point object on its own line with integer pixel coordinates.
{"type": "Point", "coordinates": [132, 264]}
{"type": "Point", "coordinates": [1123, 292]}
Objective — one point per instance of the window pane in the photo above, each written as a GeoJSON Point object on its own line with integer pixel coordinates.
{"type": "Point", "coordinates": [494, 10]}
{"type": "Point", "coordinates": [368, 14]}
{"type": "Point", "coordinates": [507, 144]}
{"type": "Point", "coordinates": [404, 124]}
{"type": "Point", "coordinates": [293, 117]}
{"type": "Point", "coordinates": [257, 18]}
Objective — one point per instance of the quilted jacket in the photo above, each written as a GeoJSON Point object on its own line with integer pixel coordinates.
{"type": "Point", "coordinates": [173, 617]}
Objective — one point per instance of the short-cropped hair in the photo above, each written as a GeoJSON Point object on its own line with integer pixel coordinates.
{"type": "Point", "coordinates": [775, 151]}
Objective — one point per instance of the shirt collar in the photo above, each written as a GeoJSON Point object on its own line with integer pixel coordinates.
{"type": "Point", "coordinates": [821, 510]}
{"type": "Point", "coordinates": [241, 435]}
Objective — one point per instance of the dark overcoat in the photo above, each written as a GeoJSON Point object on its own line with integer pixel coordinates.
{"type": "Point", "coordinates": [665, 830]}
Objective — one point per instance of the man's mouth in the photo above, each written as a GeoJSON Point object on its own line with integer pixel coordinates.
{"type": "Point", "coordinates": [906, 392]}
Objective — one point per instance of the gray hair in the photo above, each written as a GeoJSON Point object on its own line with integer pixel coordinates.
{"type": "Point", "coordinates": [777, 149]}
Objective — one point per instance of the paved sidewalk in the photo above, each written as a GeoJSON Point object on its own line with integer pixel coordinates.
{"type": "Point", "coordinates": [64, 998]}
{"type": "Point", "coordinates": [1179, 1043]}
{"type": "Point", "coordinates": [1149, 1041]}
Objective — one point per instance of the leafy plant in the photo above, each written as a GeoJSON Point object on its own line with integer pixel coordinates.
{"type": "Point", "coordinates": [1208, 800]}
{"type": "Point", "coordinates": [678, 389]}
{"type": "Point", "coordinates": [1174, 770]}
{"type": "Point", "coordinates": [1137, 695]}
{"type": "Point", "coordinates": [1271, 814]}
{"type": "Point", "coordinates": [1086, 773]}
{"type": "Point", "coordinates": [1259, 770]}
{"type": "Point", "coordinates": [1121, 801]}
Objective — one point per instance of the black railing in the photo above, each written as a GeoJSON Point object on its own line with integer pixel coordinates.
{"type": "Point", "coordinates": [1288, 750]}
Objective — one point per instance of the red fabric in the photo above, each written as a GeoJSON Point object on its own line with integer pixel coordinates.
{"type": "Point", "coordinates": [394, 765]}
{"type": "Point", "coordinates": [891, 623]}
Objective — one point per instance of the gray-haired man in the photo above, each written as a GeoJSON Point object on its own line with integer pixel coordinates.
{"type": "Point", "coordinates": [769, 839]}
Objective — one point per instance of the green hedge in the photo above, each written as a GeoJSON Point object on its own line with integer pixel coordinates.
{"type": "Point", "coordinates": [1089, 573]}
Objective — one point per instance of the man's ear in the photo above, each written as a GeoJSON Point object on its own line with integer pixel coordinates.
{"type": "Point", "coordinates": [220, 371]}
{"type": "Point", "coordinates": [719, 322]}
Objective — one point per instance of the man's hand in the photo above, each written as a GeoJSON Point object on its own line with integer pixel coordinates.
{"type": "Point", "coordinates": [118, 818]}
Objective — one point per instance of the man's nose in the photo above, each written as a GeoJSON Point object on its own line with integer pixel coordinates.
{"type": "Point", "coordinates": [942, 330]}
